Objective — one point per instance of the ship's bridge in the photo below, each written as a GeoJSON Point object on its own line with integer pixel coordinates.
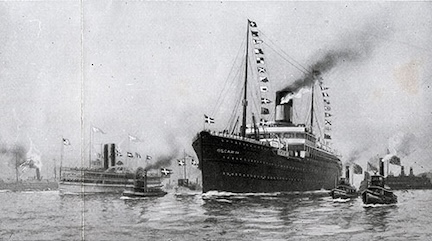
{"type": "Point", "coordinates": [296, 140]}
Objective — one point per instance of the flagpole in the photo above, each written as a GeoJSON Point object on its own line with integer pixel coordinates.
{"type": "Point", "coordinates": [61, 157]}
{"type": "Point", "coordinates": [91, 136]}
{"type": "Point", "coordinates": [184, 152]}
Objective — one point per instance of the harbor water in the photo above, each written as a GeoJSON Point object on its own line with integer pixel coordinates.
{"type": "Point", "coordinates": [214, 216]}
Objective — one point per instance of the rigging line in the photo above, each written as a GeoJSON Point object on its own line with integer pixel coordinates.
{"type": "Point", "coordinates": [233, 85]}
{"type": "Point", "coordinates": [231, 70]}
{"type": "Point", "coordinates": [301, 68]}
{"type": "Point", "coordinates": [235, 111]}
{"type": "Point", "coordinates": [287, 55]}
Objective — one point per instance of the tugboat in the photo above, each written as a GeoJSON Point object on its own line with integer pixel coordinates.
{"type": "Point", "coordinates": [344, 189]}
{"type": "Point", "coordinates": [145, 185]}
{"type": "Point", "coordinates": [377, 192]}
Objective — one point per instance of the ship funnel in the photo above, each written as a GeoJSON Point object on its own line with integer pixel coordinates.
{"type": "Point", "coordinates": [284, 107]}
{"type": "Point", "coordinates": [347, 173]}
{"type": "Point", "coordinates": [109, 155]}
{"type": "Point", "coordinates": [381, 167]}
{"type": "Point", "coordinates": [402, 171]}
{"type": "Point", "coordinates": [38, 177]}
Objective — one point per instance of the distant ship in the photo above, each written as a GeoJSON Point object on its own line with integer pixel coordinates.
{"type": "Point", "coordinates": [274, 156]}
{"type": "Point", "coordinates": [111, 178]}
{"type": "Point", "coordinates": [408, 181]}
{"type": "Point", "coordinates": [34, 184]}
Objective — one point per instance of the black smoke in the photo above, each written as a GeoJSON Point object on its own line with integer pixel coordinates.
{"type": "Point", "coordinates": [162, 161]}
{"type": "Point", "coordinates": [353, 46]}
{"type": "Point", "coordinates": [17, 154]}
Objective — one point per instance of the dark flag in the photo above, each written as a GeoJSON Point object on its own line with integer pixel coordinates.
{"type": "Point", "coordinates": [129, 154]}
{"type": "Point", "coordinates": [261, 70]}
{"type": "Point", "coordinates": [254, 34]}
{"type": "Point", "coordinates": [327, 114]}
{"type": "Point", "coordinates": [263, 88]}
{"type": "Point", "coordinates": [264, 79]}
{"type": "Point", "coordinates": [358, 169]}
{"type": "Point", "coordinates": [265, 111]}
{"type": "Point", "coordinates": [326, 136]}
{"type": "Point", "coordinates": [252, 24]}
{"type": "Point", "coordinates": [119, 163]}
{"type": "Point", "coordinates": [148, 158]}
{"type": "Point", "coordinates": [395, 160]}
{"type": "Point", "coordinates": [327, 122]}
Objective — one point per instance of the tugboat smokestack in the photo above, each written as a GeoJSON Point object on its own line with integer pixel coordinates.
{"type": "Point", "coordinates": [381, 167]}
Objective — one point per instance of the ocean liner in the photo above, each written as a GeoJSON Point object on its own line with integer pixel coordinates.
{"type": "Point", "coordinates": [273, 156]}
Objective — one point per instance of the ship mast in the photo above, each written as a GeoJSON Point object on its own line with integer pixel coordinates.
{"type": "Point", "coordinates": [243, 127]}
{"type": "Point", "coordinates": [312, 108]}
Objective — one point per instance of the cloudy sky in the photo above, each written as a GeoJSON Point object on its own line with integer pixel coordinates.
{"type": "Point", "coordinates": [152, 69]}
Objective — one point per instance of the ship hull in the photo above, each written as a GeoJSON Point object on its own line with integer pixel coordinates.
{"type": "Point", "coordinates": [234, 164]}
{"type": "Point", "coordinates": [378, 196]}
{"type": "Point", "coordinates": [88, 188]}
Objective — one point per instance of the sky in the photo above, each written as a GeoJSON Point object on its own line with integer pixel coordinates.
{"type": "Point", "coordinates": [151, 69]}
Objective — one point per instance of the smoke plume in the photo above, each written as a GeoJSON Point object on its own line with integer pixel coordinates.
{"type": "Point", "coordinates": [163, 161]}
{"type": "Point", "coordinates": [17, 154]}
{"type": "Point", "coordinates": [356, 46]}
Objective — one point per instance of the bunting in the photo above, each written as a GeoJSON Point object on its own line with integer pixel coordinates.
{"type": "Point", "coordinates": [265, 101]}
{"type": "Point", "coordinates": [258, 51]}
{"type": "Point", "coordinates": [97, 130]}
{"type": "Point", "coordinates": [134, 138]}
{"type": "Point", "coordinates": [148, 158]}
{"type": "Point", "coordinates": [194, 162]}
{"type": "Point", "coordinates": [264, 79]}
{"type": "Point", "coordinates": [257, 41]}
{"type": "Point", "coordinates": [137, 155]}
{"type": "Point", "coordinates": [129, 154]}
{"type": "Point", "coordinates": [327, 109]}
{"type": "Point", "coordinates": [66, 142]}
{"type": "Point", "coordinates": [181, 162]}
{"type": "Point", "coordinates": [262, 72]}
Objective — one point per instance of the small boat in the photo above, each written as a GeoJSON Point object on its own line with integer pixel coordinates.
{"type": "Point", "coordinates": [377, 192]}
{"type": "Point", "coordinates": [344, 190]}
{"type": "Point", "coordinates": [145, 185]}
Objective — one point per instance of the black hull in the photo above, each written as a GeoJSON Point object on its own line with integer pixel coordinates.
{"type": "Point", "coordinates": [375, 197]}
{"type": "Point", "coordinates": [233, 164]}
